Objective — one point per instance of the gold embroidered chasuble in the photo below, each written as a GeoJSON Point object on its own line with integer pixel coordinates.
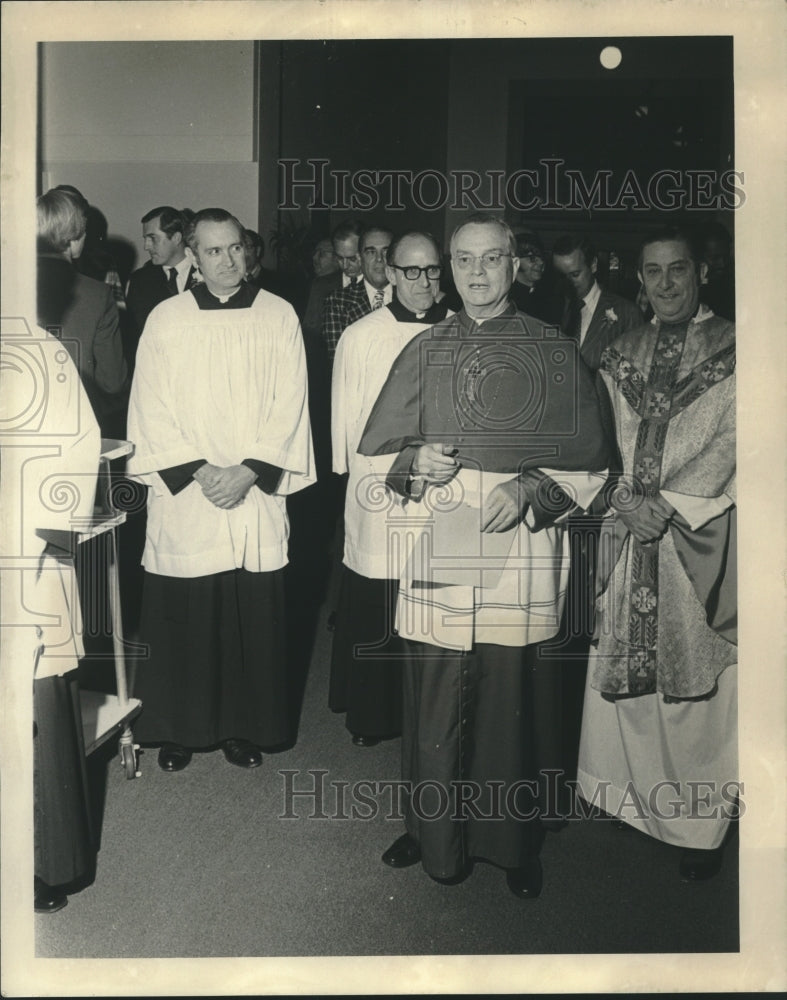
{"type": "Point", "coordinates": [672, 389]}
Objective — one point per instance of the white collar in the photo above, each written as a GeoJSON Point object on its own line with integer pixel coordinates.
{"type": "Point", "coordinates": [371, 291]}
{"type": "Point", "coordinates": [592, 297]}
{"type": "Point", "coordinates": [704, 312]}
{"type": "Point", "coordinates": [182, 267]}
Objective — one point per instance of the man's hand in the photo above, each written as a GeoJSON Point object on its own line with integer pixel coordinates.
{"type": "Point", "coordinates": [649, 520]}
{"type": "Point", "coordinates": [207, 474]}
{"type": "Point", "coordinates": [230, 486]}
{"type": "Point", "coordinates": [505, 506]}
{"type": "Point", "coordinates": [435, 462]}
{"type": "Point", "coordinates": [664, 507]}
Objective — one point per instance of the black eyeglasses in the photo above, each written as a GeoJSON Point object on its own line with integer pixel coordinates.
{"type": "Point", "coordinates": [413, 273]}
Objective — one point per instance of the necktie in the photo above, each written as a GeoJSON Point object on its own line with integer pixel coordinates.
{"type": "Point", "coordinates": [378, 299]}
{"type": "Point", "coordinates": [579, 319]}
{"type": "Point", "coordinates": [172, 281]}
{"type": "Point", "coordinates": [573, 317]}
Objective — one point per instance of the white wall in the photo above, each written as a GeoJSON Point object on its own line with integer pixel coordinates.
{"type": "Point", "coordinates": [134, 125]}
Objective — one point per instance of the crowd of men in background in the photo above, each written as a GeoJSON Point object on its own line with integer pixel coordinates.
{"type": "Point", "coordinates": [238, 401]}
{"type": "Point", "coordinates": [560, 286]}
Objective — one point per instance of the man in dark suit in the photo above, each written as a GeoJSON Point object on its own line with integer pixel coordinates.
{"type": "Point", "coordinates": [356, 300]}
{"type": "Point", "coordinates": [324, 260]}
{"type": "Point", "coordinates": [167, 273]}
{"type": "Point", "coordinates": [593, 315]}
{"type": "Point", "coordinates": [256, 273]}
{"type": "Point", "coordinates": [370, 291]}
{"type": "Point", "coordinates": [718, 292]}
{"type": "Point", "coordinates": [533, 291]}
{"type": "Point", "coordinates": [344, 240]}
{"type": "Point", "coordinates": [79, 310]}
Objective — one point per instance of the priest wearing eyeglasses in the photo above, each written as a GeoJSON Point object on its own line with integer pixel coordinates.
{"type": "Point", "coordinates": [498, 433]}
{"type": "Point", "coordinates": [366, 664]}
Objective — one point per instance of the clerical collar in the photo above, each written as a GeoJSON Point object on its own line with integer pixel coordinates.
{"type": "Point", "coordinates": [701, 313]}
{"type": "Point", "coordinates": [469, 323]}
{"type": "Point", "coordinates": [242, 298]}
{"type": "Point", "coordinates": [434, 314]}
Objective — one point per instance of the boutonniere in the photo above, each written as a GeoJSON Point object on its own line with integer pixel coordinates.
{"type": "Point", "coordinates": [611, 315]}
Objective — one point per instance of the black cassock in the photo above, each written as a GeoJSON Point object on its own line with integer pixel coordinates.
{"type": "Point", "coordinates": [216, 666]}
{"type": "Point", "coordinates": [481, 729]}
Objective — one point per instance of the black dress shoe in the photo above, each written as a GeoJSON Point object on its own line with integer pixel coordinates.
{"type": "Point", "coordinates": [526, 882]}
{"type": "Point", "coordinates": [242, 753]}
{"type": "Point", "coordinates": [364, 741]}
{"type": "Point", "coordinates": [48, 899]}
{"type": "Point", "coordinates": [403, 852]}
{"type": "Point", "coordinates": [173, 757]}
{"type": "Point", "coordinates": [698, 866]}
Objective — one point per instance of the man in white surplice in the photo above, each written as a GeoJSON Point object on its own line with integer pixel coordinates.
{"type": "Point", "coordinates": [366, 663]}
{"type": "Point", "coordinates": [219, 418]}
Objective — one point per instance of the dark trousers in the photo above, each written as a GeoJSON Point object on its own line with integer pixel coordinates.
{"type": "Point", "coordinates": [565, 657]}
{"type": "Point", "coordinates": [217, 663]}
{"type": "Point", "coordinates": [65, 843]}
{"type": "Point", "coordinates": [468, 733]}
{"type": "Point", "coordinates": [367, 657]}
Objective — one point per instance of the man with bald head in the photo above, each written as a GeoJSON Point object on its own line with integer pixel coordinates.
{"type": "Point", "coordinates": [366, 678]}
{"type": "Point", "coordinates": [220, 422]}
{"type": "Point", "coordinates": [472, 409]}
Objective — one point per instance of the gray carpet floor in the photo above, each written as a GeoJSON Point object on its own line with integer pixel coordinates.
{"type": "Point", "coordinates": [217, 861]}
{"type": "Point", "coordinates": [201, 863]}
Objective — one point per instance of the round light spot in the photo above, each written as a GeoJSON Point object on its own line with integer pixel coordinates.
{"type": "Point", "coordinates": [610, 57]}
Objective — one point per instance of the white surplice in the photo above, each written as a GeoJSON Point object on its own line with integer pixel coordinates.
{"type": "Point", "coordinates": [221, 385]}
{"type": "Point", "coordinates": [364, 355]}
{"type": "Point", "coordinates": [525, 601]}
